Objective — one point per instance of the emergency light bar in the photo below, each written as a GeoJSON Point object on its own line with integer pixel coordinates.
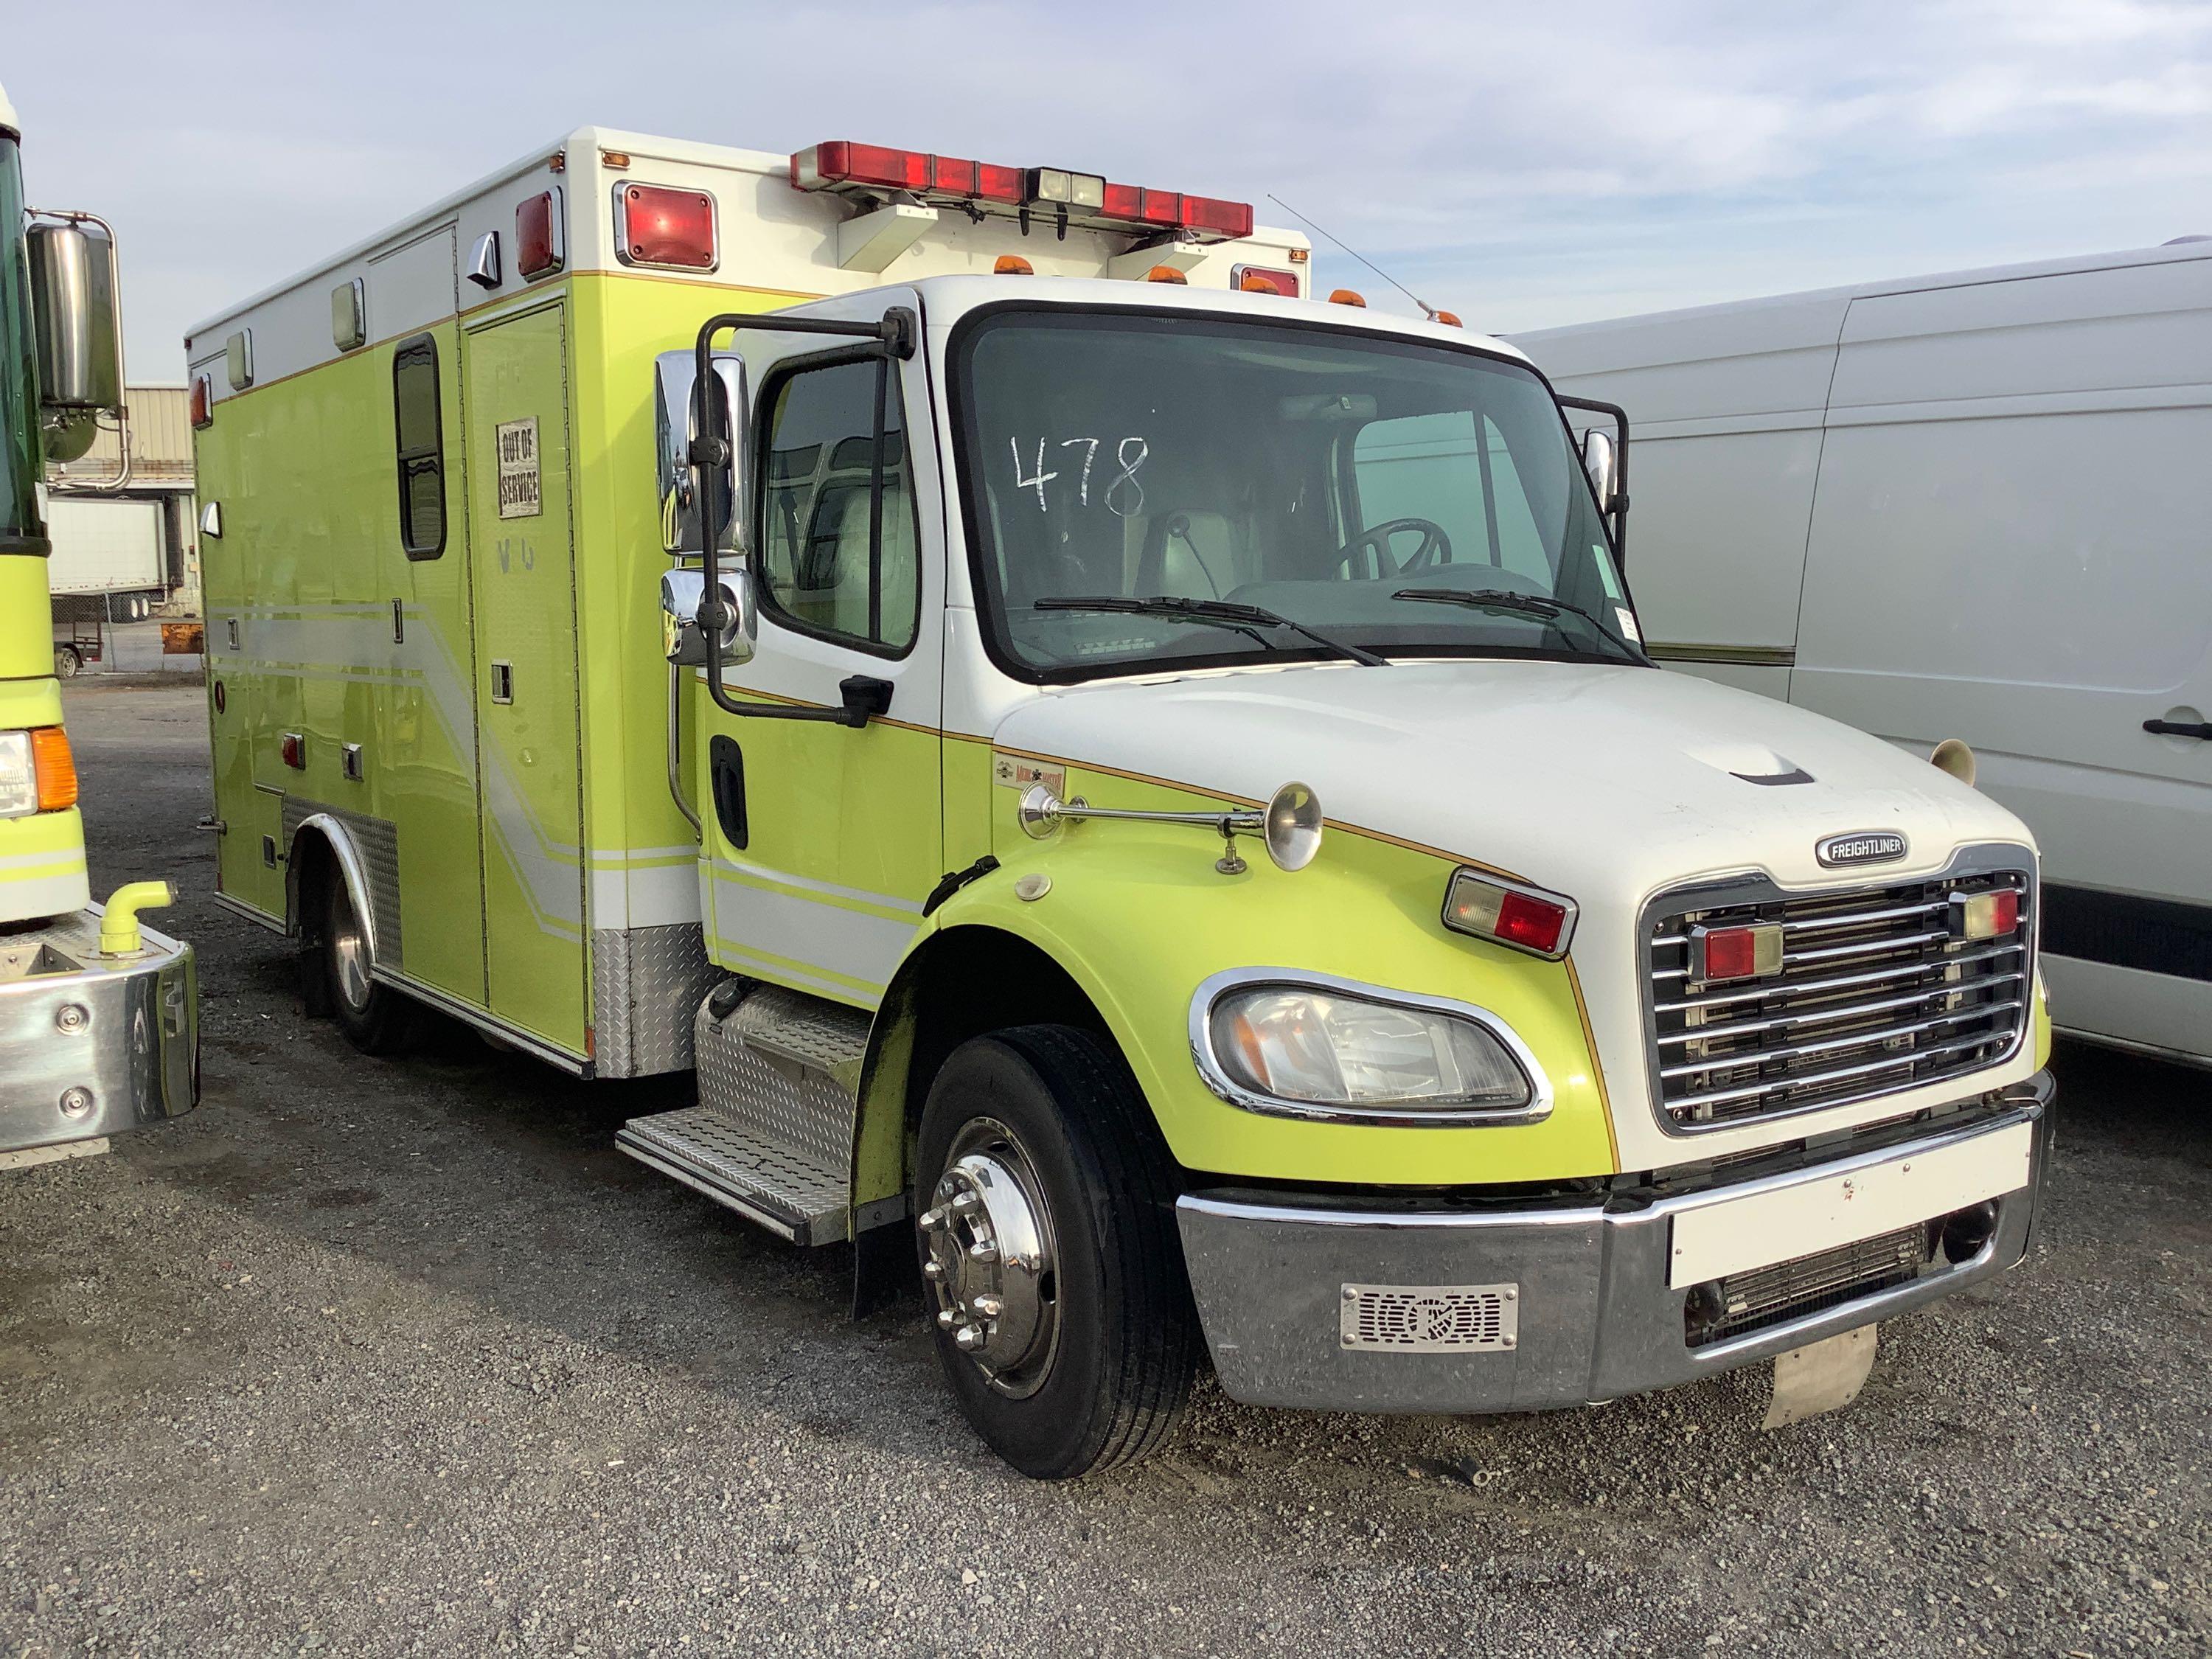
{"type": "Point", "coordinates": [1085, 198]}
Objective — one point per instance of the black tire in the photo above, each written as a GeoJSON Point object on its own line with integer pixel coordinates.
{"type": "Point", "coordinates": [1117, 1376]}
{"type": "Point", "coordinates": [67, 663]}
{"type": "Point", "coordinates": [375, 1018]}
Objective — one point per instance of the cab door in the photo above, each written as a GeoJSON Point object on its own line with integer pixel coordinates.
{"type": "Point", "coordinates": [822, 840]}
{"type": "Point", "coordinates": [522, 569]}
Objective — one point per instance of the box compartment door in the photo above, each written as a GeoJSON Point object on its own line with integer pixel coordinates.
{"type": "Point", "coordinates": [522, 569]}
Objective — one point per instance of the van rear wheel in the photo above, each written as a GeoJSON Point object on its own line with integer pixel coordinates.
{"type": "Point", "coordinates": [1054, 1277]}
{"type": "Point", "coordinates": [375, 1018]}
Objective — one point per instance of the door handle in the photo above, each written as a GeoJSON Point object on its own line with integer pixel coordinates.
{"type": "Point", "coordinates": [2202, 729]}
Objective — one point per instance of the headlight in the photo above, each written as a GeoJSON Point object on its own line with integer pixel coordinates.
{"type": "Point", "coordinates": [19, 780]}
{"type": "Point", "coordinates": [1327, 1050]}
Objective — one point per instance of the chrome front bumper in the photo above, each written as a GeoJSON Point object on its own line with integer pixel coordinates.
{"type": "Point", "coordinates": [94, 1045]}
{"type": "Point", "coordinates": [1564, 1304]}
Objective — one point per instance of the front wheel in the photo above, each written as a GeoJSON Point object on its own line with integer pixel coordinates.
{"type": "Point", "coordinates": [1045, 1206]}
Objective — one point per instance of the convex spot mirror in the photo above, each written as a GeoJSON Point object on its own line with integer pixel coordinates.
{"type": "Point", "coordinates": [75, 334]}
{"type": "Point", "coordinates": [676, 422]}
{"type": "Point", "coordinates": [682, 593]}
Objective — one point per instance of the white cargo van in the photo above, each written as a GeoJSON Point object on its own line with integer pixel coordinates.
{"type": "Point", "coordinates": [1966, 506]}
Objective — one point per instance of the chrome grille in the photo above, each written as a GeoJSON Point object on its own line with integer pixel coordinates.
{"type": "Point", "coordinates": [1874, 994]}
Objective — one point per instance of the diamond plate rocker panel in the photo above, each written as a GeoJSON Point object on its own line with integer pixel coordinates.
{"type": "Point", "coordinates": [772, 1135]}
{"type": "Point", "coordinates": [647, 982]}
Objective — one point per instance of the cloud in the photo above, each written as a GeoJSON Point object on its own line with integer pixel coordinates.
{"type": "Point", "coordinates": [1524, 165]}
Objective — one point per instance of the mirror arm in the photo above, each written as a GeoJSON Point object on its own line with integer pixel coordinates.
{"type": "Point", "coordinates": [897, 334]}
{"type": "Point", "coordinates": [1615, 508]}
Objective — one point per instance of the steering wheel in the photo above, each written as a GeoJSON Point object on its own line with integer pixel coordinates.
{"type": "Point", "coordinates": [1435, 546]}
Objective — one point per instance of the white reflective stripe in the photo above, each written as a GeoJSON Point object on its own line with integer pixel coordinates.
{"type": "Point", "coordinates": [654, 896]}
{"type": "Point", "coordinates": [784, 974]}
{"type": "Point", "coordinates": [852, 942]}
{"type": "Point", "coordinates": [783, 878]}
{"type": "Point", "coordinates": [71, 856]}
{"type": "Point", "coordinates": [355, 641]}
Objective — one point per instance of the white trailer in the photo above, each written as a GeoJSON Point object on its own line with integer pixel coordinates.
{"type": "Point", "coordinates": [1965, 506]}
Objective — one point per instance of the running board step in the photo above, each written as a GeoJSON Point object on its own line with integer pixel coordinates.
{"type": "Point", "coordinates": [736, 1165]}
{"type": "Point", "coordinates": [772, 1135]}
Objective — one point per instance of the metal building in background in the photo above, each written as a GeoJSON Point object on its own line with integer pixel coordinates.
{"type": "Point", "coordinates": [133, 554]}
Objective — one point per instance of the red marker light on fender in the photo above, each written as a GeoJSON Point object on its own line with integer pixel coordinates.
{"type": "Point", "coordinates": [1526, 918]}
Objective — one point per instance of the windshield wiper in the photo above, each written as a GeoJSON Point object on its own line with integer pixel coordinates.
{"type": "Point", "coordinates": [1523, 605]}
{"type": "Point", "coordinates": [1222, 613]}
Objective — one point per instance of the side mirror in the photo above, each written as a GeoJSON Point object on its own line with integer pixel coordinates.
{"type": "Point", "coordinates": [683, 593]}
{"type": "Point", "coordinates": [1600, 462]}
{"type": "Point", "coordinates": [676, 419]}
{"type": "Point", "coordinates": [76, 332]}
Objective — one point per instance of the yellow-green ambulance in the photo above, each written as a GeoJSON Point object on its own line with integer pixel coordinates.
{"type": "Point", "coordinates": [1139, 794]}
{"type": "Point", "coordinates": [99, 1016]}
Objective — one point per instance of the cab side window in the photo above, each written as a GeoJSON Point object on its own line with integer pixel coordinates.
{"type": "Point", "coordinates": [421, 442]}
{"type": "Point", "coordinates": [818, 568]}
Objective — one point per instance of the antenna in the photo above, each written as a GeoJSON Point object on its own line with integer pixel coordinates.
{"type": "Point", "coordinates": [1427, 310]}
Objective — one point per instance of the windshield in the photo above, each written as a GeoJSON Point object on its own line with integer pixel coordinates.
{"type": "Point", "coordinates": [19, 404]}
{"type": "Point", "coordinates": [1357, 486]}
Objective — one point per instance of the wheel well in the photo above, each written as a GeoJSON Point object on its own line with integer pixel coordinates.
{"type": "Point", "coordinates": [969, 981]}
{"type": "Point", "coordinates": [310, 868]}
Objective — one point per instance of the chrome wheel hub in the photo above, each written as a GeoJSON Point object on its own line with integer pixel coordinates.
{"type": "Point", "coordinates": [349, 954]}
{"type": "Point", "coordinates": [990, 1265]}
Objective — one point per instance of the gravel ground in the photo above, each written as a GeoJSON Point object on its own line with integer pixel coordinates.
{"type": "Point", "coordinates": [366, 1358]}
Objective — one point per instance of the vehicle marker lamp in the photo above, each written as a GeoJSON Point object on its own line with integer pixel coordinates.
{"type": "Point", "coordinates": [1313, 1047]}
{"type": "Point", "coordinates": [37, 773]}
{"type": "Point", "coordinates": [1526, 918]}
{"type": "Point", "coordinates": [1720, 954]}
{"type": "Point", "coordinates": [1993, 915]}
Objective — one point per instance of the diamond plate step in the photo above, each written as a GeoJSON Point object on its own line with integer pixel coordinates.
{"type": "Point", "coordinates": [772, 1135]}
{"type": "Point", "coordinates": [790, 1195]}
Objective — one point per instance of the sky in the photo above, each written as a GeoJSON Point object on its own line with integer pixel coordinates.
{"type": "Point", "coordinates": [1520, 164]}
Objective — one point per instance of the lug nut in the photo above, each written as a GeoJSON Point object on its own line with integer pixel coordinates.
{"type": "Point", "coordinates": [933, 1270]}
{"type": "Point", "coordinates": [983, 1250]}
{"type": "Point", "coordinates": [968, 1339]}
{"type": "Point", "coordinates": [931, 1220]}
{"type": "Point", "coordinates": [946, 1319]}
{"type": "Point", "coordinates": [988, 1307]}
{"type": "Point", "coordinates": [967, 1201]}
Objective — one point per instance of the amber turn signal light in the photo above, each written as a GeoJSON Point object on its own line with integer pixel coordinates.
{"type": "Point", "coordinates": [54, 767]}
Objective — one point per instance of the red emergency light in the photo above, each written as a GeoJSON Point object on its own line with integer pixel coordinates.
{"type": "Point", "coordinates": [658, 225]}
{"type": "Point", "coordinates": [202, 401]}
{"type": "Point", "coordinates": [873, 170]}
{"type": "Point", "coordinates": [870, 169]}
{"type": "Point", "coordinates": [537, 235]}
